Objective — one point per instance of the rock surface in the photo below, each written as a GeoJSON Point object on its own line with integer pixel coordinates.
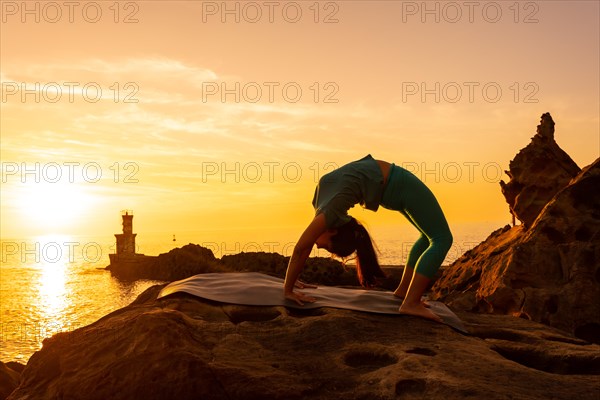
{"type": "Point", "coordinates": [546, 270]}
{"type": "Point", "coordinates": [182, 347]}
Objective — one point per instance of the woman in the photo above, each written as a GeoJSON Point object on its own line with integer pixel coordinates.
{"type": "Point", "coordinates": [373, 183]}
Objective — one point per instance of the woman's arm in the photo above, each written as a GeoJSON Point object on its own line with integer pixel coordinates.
{"type": "Point", "coordinates": [300, 254]}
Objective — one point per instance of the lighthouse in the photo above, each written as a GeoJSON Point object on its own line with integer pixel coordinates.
{"type": "Point", "coordinates": [125, 262]}
{"type": "Point", "coordinates": [126, 240]}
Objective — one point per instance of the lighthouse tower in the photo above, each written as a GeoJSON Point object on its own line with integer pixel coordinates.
{"type": "Point", "coordinates": [126, 240]}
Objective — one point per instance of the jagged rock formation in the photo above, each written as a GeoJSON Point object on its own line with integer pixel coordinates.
{"type": "Point", "coordinates": [537, 173]}
{"type": "Point", "coordinates": [182, 347]}
{"type": "Point", "coordinates": [548, 268]}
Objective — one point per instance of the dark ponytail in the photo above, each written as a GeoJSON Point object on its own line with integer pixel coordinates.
{"type": "Point", "coordinates": [352, 237]}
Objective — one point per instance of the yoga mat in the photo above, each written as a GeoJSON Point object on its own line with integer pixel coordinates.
{"type": "Point", "coordinates": [256, 289]}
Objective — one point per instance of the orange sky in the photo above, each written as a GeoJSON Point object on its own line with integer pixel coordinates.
{"type": "Point", "coordinates": [197, 121]}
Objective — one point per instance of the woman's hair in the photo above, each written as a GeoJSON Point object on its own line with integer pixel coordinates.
{"type": "Point", "coordinates": [352, 237]}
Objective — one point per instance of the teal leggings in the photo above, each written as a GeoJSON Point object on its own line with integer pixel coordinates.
{"type": "Point", "coordinates": [408, 195]}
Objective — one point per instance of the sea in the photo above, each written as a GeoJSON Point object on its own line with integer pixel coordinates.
{"type": "Point", "coordinates": [57, 283]}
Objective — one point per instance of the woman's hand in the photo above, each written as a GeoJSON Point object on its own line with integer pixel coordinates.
{"type": "Point", "coordinates": [299, 256]}
{"type": "Point", "coordinates": [299, 297]}
{"type": "Point", "coordinates": [302, 285]}
{"type": "Point", "coordinates": [302, 250]}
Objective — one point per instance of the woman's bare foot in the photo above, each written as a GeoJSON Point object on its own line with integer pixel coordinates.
{"type": "Point", "coordinates": [418, 310]}
{"type": "Point", "coordinates": [425, 303]}
{"type": "Point", "coordinates": [400, 296]}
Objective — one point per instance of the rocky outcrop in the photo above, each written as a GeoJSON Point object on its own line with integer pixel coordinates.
{"type": "Point", "coordinates": [325, 271]}
{"type": "Point", "coordinates": [182, 347]}
{"type": "Point", "coordinates": [537, 173]}
{"type": "Point", "coordinates": [10, 374]}
{"type": "Point", "coordinates": [193, 259]}
{"type": "Point", "coordinates": [179, 263]}
{"type": "Point", "coordinates": [319, 270]}
{"type": "Point", "coordinates": [548, 268]}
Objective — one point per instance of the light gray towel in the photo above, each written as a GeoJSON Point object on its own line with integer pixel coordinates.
{"type": "Point", "coordinates": [256, 289]}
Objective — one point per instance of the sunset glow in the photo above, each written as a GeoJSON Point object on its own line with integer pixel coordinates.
{"type": "Point", "coordinates": [53, 206]}
{"type": "Point", "coordinates": [202, 118]}
{"type": "Point", "coordinates": [161, 162]}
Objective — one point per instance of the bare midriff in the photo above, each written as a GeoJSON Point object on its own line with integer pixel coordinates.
{"type": "Point", "coordinates": [385, 170]}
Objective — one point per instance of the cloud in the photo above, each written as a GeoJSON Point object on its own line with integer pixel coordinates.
{"type": "Point", "coordinates": [171, 125]}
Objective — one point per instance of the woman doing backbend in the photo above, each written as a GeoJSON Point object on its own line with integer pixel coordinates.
{"type": "Point", "coordinates": [372, 183]}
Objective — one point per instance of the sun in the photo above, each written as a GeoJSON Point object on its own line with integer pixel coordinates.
{"type": "Point", "coordinates": [53, 206]}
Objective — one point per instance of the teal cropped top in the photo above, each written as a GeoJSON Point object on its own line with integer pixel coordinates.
{"type": "Point", "coordinates": [358, 182]}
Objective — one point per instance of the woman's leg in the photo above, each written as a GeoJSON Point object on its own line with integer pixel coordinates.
{"type": "Point", "coordinates": [423, 210]}
{"type": "Point", "coordinates": [417, 249]}
{"type": "Point", "coordinates": [422, 243]}
{"type": "Point", "coordinates": [417, 203]}
{"type": "Point", "coordinates": [407, 194]}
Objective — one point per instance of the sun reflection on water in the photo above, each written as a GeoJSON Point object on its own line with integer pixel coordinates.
{"type": "Point", "coordinates": [56, 283]}
{"type": "Point", "coordinates": [53, 296]}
